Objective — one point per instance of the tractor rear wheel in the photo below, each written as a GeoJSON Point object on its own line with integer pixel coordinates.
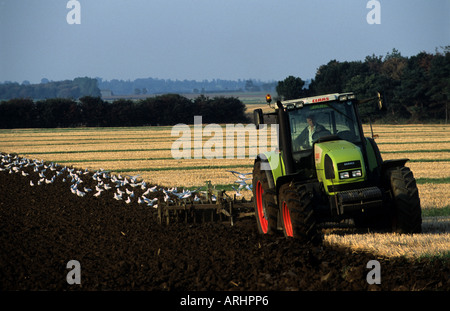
{"type": "Point", "coordinates": [265, 207]}
{"type": "Point", "coordinates": [405, 207]}
{"type": "Point", "coordinates": [297, 211]}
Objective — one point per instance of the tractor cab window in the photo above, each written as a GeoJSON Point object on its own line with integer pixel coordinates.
{"type": "Point", "coordinates": [312, 122]}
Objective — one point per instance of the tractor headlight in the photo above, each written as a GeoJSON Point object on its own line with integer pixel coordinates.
{"type": "Point", "coordinates": [299, 105]}
{"type": "Point", "coordinates": [344, 175]}
{"type": "Point", "coordinates": [356, 173]}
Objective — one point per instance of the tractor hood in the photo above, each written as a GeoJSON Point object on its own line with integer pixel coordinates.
{"type": "Point", "coordinates": [339, 165]}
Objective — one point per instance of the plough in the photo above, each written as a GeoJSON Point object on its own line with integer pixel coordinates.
{"type": "Point", "coordinates": [214, 205]}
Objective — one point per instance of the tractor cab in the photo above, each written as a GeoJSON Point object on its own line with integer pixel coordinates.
{"type": "Point", "coordinates": [319, 119]}
{"type": "Point", "coordinates": [313, 118]}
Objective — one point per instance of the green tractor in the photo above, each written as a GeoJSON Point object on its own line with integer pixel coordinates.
{"type": "Point", "coordinates": [326, 171]}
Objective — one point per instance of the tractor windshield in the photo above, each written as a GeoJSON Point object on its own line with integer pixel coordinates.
{"type": "Point", "coordinates": [311, 122]}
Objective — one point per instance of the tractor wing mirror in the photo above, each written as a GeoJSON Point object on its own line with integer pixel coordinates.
{"type": "Point", "coordinates": [380, 102]}
{"type": "Point", "coordinates": [258, 118]}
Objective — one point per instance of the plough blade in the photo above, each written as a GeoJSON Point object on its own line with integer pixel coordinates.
{"type": "Point", "coordinates": [217, 206]}
{"type": "Point", "coordinates": [199, 213]}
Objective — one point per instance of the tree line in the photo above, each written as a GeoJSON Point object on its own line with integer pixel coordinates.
{"type": "Point", "coordinates": [75, 88]}
{"type": "Point", "coordinates": [168, 109]}
{"type": "Point", "coordinates": [159, 86]}
{"type": "Point", "coordinates": [415, 88]}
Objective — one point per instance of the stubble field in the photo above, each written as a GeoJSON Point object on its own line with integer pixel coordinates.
{"type": "Point", "coordinates": [147, 152]}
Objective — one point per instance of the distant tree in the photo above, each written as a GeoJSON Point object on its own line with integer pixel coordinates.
{"type": "Point", "coordinates": [394, 54]}
{"type": "Point", "coordinates": [333, 77]}
{"type": "Point", "coordinates": [291, 88]}
{"type": "Point", "coordinates": [411, 95]}
{"type": "Point", "coordinates": [227, 109]}
{"type": "Point", "coordinates": [251, 87]}
{"type": "Point", "coordinates": [393, 67]}
{"type": "Point", "coordinates": [374, 63]}
{"type": "Point", "coordinates": [367, 86]}
{"type": "Point", "coordinates": [269, 87]}
{"type": "Point", "coordinates": [173, 109]}
{"type": "Point", "coordinates": [57, 112]}
{"type": "Point", "coordinates": [58, 89]}
{"type": "Point", "coordinates": [17, 113]}
{"type": "Point", "coordinates": [93, 111]}
{"type": "Point", "coordinates": [120, 113]}
{"type": "Point", "coordinates": [88, 86]}
{"type": "Point", "coordinates": [439, 84]}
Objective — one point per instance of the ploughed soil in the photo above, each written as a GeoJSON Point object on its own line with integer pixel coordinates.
{"type": "Point", "coordinates": [122, 247]}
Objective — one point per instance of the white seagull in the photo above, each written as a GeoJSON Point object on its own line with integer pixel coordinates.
{"type": "Point", "coordinates": [98, 193]}
{"type": "Point", "coordinates": [240, 175]}
{"type": "Point", "coordinates": [80, 193]}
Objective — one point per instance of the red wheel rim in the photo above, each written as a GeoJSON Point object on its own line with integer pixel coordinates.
{"type": "Point", "coordinates": [287, 221]}
{"type": "Point", "coordinates": [260, 208]}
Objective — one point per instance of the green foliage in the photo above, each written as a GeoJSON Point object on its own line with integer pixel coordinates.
{"type": "Point", "coordinates": [91, 111]}
{"type": "Point", "coordinates": [415, 88]}
{"type": "Point", "coordinates": [18, 113]}
{"type": "Point", "coordinates": [87, 86]}
{"type": "Point", "coordinates": [218, 109]}
{"type": "Point", "coordinates": [291, 88]}
{"type": "Point", "coordinates": [60, 89]}
{"type": "Point", "coordinates": [56, 112]}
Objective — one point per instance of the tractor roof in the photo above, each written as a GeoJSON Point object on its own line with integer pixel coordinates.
{"type": "Point", "coordinates": [319, 99]}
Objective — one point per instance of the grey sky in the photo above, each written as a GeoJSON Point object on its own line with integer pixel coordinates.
{"type": "Point", "coordinates": [207, 39]}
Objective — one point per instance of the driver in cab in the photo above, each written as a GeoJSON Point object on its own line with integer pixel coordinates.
{"type": "Point", "coordinates": [311, 133]}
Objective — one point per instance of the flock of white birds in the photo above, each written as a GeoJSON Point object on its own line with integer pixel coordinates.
{"type": "Point", "coordinates": [107, 184]}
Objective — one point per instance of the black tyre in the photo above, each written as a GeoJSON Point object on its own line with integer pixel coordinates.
{"type": "Point", "coordinates": [296, 204]}
{"type": "Point", "coordinates": [405, 207]}
{"type": "Point", "coordinates": [265, 206]}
